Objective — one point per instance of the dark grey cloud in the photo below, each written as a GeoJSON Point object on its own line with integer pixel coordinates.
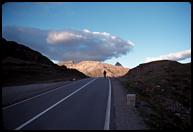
{"type": "Point", "coordinates": [70, 44]}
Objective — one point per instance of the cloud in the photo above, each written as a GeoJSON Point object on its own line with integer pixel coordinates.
{"type": "Point", "coordinates": [62, 37]}
{"type": "Point", "coordinates": [131, 43]}
{"type": "Point", "coordinates": [55, 61]}
{"type": "Point", "coordinates": [68, 44]}
{"type": "Point", "coordinates": [178, 56]}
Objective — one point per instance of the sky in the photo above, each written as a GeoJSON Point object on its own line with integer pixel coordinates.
{"type": "Point", "coordinates": [127, 32]}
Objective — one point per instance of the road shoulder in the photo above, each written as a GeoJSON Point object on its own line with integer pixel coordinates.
{"type": "Point", "coordinates": [125, 118]}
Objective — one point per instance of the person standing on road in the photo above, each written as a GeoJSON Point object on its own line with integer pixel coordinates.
{"type": "Point", "coordinates": [104, 73]}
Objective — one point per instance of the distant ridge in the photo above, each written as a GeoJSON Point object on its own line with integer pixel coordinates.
{"type": "Point", "coordinates": [96, 68]}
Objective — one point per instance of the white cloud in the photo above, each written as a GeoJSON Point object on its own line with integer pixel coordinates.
{"type": "Point", "coordinates": [95, 32]}
{"type": "Point", "coordinates": [58, 37]}
{"type": "Point", "coordinates": [105, 34]}
{"type": "Point", "coordinates": [70, 44]}
{"type": "Point", "coordinates": [86, 37]}
{"type": "Point", "coordinates": [130, 42]}
{"type": "Point", "coordinates": [55, 61]}
{"type": "Point", "coordinates": [86, 30]}
{"type": "Point", "coordinates": [113, 37]}
{"type": "Point", "coordinates": [178, 56]}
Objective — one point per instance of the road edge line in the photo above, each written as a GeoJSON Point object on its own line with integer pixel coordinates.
{"type": "Point", "coordinates": [108, 109]}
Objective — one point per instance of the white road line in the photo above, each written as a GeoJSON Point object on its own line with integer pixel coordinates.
{"type": "Point", "coordinates": [7, 107]}
{"type": "Point", "coordinates": [38, 115]}
{"type": "Point", "coordinates": [108, 109]}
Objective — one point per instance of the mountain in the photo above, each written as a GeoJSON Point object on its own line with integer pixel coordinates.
{"type": "Point", "coordinates": [163, 91]}
{"type": "Point", "coordinates": [20, 65]}
{"type": "Point", "coordinates": [66, 63]}
{"type": "Point", "coordinates": [96, 68]}
{"type": "Point", "coordinates": [118, 64]}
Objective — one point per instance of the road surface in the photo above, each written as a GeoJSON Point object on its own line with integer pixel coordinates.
{"type": "Point", "coordinates": [13, 94]}
{"type": "Point", "coordinates": [81, 105]}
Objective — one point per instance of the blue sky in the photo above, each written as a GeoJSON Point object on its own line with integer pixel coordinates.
{"type": "Point", "coordinates": [156, 30]}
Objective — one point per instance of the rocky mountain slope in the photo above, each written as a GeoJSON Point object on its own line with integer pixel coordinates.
{"type": "Point", "coordinates": [163, 90]}
{"type": "Point", "coordinates": [96, 68]}
{"type": "Point", "coordinates": [20, 65]}
{"type": "Point", "coordinates": [118, 64]}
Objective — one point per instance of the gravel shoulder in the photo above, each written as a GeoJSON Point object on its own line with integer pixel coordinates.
{"type": "Point", "coordinates": [125, 117]}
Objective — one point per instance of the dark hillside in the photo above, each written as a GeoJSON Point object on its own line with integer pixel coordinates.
{"type": "Point", "coordinates": [163, 91]}
{"type": "Point", "coordinates": [22, 65]}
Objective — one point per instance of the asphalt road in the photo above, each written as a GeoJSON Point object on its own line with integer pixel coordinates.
{"type": "Point", "coordinates": [81, 105]}
{"type": "Point", "coordinates": [14, 94]}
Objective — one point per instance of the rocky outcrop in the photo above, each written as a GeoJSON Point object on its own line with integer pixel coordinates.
{"type": "Point", "coordinates": [96, 68]}
{"type": "Point", "coordinates": [118, 64]}
{"type": "Point", "coordinates": [66, 63]}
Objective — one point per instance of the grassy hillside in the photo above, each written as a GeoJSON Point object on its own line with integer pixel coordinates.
{"type": "Point", "coordinates": [163, 91]}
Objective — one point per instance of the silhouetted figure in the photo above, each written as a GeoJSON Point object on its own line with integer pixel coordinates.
{"type": "Point", "coordinates": [104, 73]}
